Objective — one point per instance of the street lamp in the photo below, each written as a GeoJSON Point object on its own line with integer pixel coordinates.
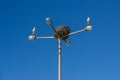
{"type": "Point", "coordinates": [60, 33]}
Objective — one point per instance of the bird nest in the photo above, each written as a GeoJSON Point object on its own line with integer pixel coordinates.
{"type": "Point", "coordinates": [62, 32]}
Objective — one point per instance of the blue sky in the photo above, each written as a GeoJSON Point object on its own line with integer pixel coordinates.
{"type": "Point", "coordinates": [94, 55]}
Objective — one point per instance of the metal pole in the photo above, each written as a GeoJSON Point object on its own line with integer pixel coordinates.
{"type": "Point", "coordinates": [59, 60]}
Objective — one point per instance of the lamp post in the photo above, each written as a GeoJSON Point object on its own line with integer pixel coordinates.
{"type": "Point", "coordinates": [60, 33]}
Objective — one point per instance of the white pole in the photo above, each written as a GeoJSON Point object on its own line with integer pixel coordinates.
{"type": "Point", "coordinates": [59, 60]}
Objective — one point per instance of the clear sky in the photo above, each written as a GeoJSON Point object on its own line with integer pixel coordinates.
{"type": "Point", "coordinates": [94, 55]}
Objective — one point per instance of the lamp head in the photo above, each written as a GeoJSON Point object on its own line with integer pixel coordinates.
{"type": "Point", "coordinates": [48, 21]}
{"type": "Point", "coordinates": [88, 28]}
{"type": "Point", "coordinates": [32, 37]}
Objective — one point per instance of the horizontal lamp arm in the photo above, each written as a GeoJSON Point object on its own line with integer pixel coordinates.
{"type": "Point", "coordinates": [76, 32]}
{"type": "Point", "coordinates": [33, 37]}
{"type": "Point", "coordinates": [47, 37]}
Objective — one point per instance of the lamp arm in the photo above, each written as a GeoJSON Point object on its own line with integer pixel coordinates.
{"type": "Point", "coordinates": [46, 37]}
{"type": "Point", "coordinates": [76, 32]}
